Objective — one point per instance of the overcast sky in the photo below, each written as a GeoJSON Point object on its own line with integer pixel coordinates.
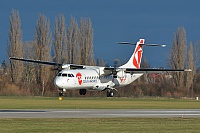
{"type": "Point", "coordinates": [113, 21]}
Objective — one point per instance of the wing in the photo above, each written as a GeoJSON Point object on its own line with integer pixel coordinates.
{"type": "Point", "coordinates": [155, 70]}
{"type": "Point", "coordinates": [144, 70]}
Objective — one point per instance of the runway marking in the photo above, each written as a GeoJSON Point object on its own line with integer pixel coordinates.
{"type": "Point", "coordinates": [75, 111]}
{"type": "Point", "coordinates": [100, 113]}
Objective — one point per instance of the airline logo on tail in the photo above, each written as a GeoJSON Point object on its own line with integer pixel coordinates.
{"type": "Point", "coordinates": [138, 54]}
{"type": "Point", "coordinates": [135, 60]}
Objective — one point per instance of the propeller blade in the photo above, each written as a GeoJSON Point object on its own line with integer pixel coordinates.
{"type": "Point", "coordinates": [130, 43]}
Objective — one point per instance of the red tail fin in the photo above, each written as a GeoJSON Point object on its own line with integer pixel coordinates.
{"type": "Point", "coordinates": [137, 56]}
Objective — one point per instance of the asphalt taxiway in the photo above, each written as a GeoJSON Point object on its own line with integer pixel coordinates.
{"type": "Point", "coordinates": [101, 113]}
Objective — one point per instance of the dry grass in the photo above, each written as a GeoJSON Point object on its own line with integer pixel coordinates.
{"type": "Point", "coordinates": [96, 103]}
{"type": "Point", "coordinates": [156, 125]}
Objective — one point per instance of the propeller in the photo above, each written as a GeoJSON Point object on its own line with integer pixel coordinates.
{"type": "Point", "coordinates": [131, 43]}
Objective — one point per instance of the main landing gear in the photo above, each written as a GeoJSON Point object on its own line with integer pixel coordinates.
{"type": "Point", "coordinates": [110, 93]}
{"type": "Point", "coordinates": [82, 91]}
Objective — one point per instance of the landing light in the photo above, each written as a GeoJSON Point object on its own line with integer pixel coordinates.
{"type": "Point", "coordinates": [60, 98]}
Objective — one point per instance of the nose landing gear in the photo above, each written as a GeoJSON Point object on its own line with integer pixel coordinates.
{"type": "Point", "coordinates": [61, 94]}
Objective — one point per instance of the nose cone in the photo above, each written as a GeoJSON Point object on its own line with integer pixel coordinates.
{"type": "Point", "coordinates": [58, 82]}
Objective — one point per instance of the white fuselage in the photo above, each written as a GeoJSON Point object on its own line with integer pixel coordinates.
{"type": "Point", "coordinates": [92, 79]}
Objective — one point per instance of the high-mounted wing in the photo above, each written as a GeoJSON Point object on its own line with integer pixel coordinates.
{"type": "Point", "coordinates": [147, 69]}
{"type": "Point", "coordinates": [155, 70]}
{"type": "Point", "coordinates": [143, 70]}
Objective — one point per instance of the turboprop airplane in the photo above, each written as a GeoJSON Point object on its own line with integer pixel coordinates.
{"type": "Point", "coordinates": [95, 78]}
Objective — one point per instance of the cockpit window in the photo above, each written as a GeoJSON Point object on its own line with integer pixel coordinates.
{"type": "Point", "coordinates": [64, 75]}
{"type": "Point", "coordinates": [70, 75]}
{"type": "Point", "coordinates": [59, 74]}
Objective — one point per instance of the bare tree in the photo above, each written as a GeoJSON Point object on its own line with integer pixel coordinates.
{"type": "Point", "coordinates": [190, 65]}
{"type": "Point", "coordinates": [116, 62]}
{"type": "Point", "coordinates": [177, 56]}
{"type": "Point", "coordinates": [15, 46]}
{"type": "Point", "coordinates": [101, 62]}
{"type": "Point", "coordinates": [144, 63]}
{"type": "Point", "coordinates": [42, 47]}
{"type": "Point", "coordinates": [72, 41]}
{"type": "Point", "coordinates": [86, 42]}
{"type": "Point", "coordinates": [60, 40]}
{"type": "Point", "coordinates": [29, 69]}
{"type": "Point", "coordinates": [196, 46]}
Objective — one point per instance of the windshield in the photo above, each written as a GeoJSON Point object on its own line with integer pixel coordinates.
{"type": "Point", "coordinates": [65, 75]}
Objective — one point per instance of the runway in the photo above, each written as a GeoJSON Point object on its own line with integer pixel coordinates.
{"type": "Point", "coordinates": [101, 113]}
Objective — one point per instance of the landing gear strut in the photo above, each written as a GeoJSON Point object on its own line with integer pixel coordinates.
{"type": "Point", "coordinates": [61, 93]}
{"type": "Point", "coordinates": [110, 93]}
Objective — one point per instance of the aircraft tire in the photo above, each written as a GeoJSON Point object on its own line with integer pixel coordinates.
{"type": "Point", "coordinates": [82, 91]}
{"type": "Point", "coordinates": [61, 94]}
{"type": "Point", "coordinates": [110, 93]}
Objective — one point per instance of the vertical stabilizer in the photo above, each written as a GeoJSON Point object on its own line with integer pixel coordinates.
{"type": "Point", "coordinates": [135, 60]}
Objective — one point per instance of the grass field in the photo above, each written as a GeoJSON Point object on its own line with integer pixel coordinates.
{"type": "Point", "coordinates": [154, 125]}
{"type": "Point", "coordinates": [170, 125]}
{"type": "Point", "coordinates": [96, 103]}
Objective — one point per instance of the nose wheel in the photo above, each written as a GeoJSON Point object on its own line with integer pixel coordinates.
{"type": "Point", "coordinates": [61, 95]}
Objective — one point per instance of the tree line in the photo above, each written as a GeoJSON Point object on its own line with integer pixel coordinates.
{"type": "Point", "coordinates": [74, 44]}
{"type": "Point", "coordinates": [65, 44]}
{"type": "Point", "coordinates": [174, 84]}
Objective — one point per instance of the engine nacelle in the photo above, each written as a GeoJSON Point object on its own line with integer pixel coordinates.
{"type": "Point", "coordinates": [101, 71]}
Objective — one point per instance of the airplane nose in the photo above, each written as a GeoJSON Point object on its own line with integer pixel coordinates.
{"type": "Point", "coordinates": [58, 82]}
